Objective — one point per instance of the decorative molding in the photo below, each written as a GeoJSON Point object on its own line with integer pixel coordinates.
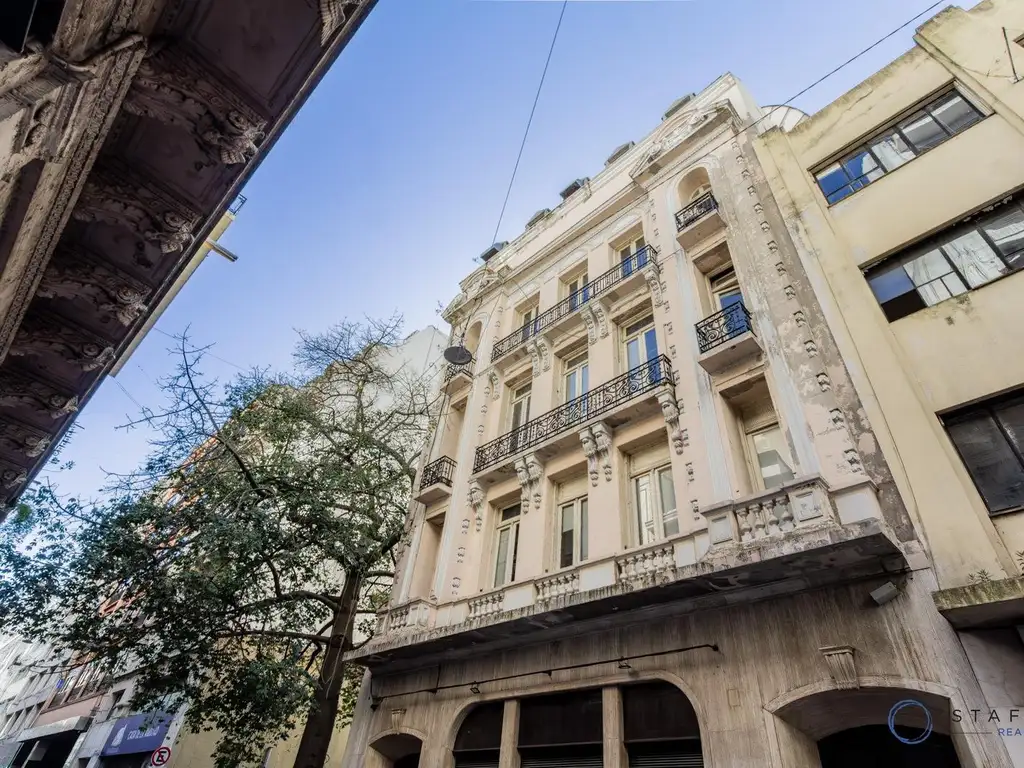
{"type": "Point", "coordinates": [115, 197]}
{"type": "Point", "coordinates": [334, 14]}
{"type": "Point", "coordinates": [811, 348]}
{"type": "Point", "coordinates": [540, 354]}
{"type": "Point", "coordinates": [590, 451]}
{"type": "Point", "coordinates": [18, 391]}
{"type": "Point", "coordinates": [11, 475]}
{"type": "Point", "coordinates": [824, 382]}
{"type": "Point", "coordinates": [176, 90]}
{"type": "Point", "coordinates": [22, 439]}
{"type": "Point", "coordinates": [670, 410]}
{"type": "Point", "coordinates": [800, 318]}
{"type": "Point", "coordinates": [476, 502]}
{"type": "Point", "coordinates": [109, 292]}
{"type": "Point", "coordinates": [494, 381]}
{"type": "Point", "coordinates": [42, 336]}
{"type": "Point", "coordinates": [842, 666]}
{"type": "Point", "coordinates": [853, 460]}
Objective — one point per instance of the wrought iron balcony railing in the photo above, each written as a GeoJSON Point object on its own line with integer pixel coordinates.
{"type": "Point", "coordinates": [571, 303]}
{"type": "Point", "coordinates": [452, 370]}
{"type": "Point", "coordinates": [440, 471]}
{"type": "Point", "coordinates": [698, 209]}
{"type": "Point", "coordinates": [717, 329]}
{"type": "Point", "coordinates": [635, 382]}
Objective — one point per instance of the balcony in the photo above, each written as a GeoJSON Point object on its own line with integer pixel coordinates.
{"type": "Point", "coordinates": [458, 377]}
{"type": "Point", "coordinates": [436, 481]}
{"type": "Point", "coordinates": [610, 286]}
{"type": "Point", "coordinates": [698, 221]}
{"type": "Point", "coordinates": [614, 402]}
{"type": "Point", "coordinates": [726, 338]}
{"type": "Point", "coordinates": [799, 537]}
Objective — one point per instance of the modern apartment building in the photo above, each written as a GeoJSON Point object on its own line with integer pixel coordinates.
{"type": "Point", "coordinates": [905, 198]}
{"type": "Point", "coordinates": [656, 526]}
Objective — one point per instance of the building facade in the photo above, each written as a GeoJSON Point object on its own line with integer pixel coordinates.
{"type": "Point", "coordinates": [904, 199]}
{"type": "Point", "coordinates": [657, 525]}
{"type": "Point", "coordinates": [127, 129]}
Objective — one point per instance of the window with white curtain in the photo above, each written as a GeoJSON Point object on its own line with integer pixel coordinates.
{"type": "Point", "coordinates": [961, 259]}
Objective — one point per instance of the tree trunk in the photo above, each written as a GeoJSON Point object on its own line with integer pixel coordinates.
{"type": "Point", "coordinates": [319, 728]}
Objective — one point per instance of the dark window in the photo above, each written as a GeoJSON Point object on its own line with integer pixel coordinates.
{"type": "Point", "coordinates": [561, 719]}
{"type": "Point", "coordinates": [938, 120]}
{"type": "Point", "coordinates": [990, 440]}
{"type": "Point", "coordinates": [956, 261]}
{"type": "Point", "coordinates": [478, 742]}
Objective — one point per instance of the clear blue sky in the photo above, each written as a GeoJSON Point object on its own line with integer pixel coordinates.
{"type": "Point", "coordinates": [389, 181]}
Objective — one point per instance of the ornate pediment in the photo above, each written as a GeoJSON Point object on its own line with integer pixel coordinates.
{"type": "Point", "coordinates": [174, 89]}
{"type": "Point", "coordinates": [679, 130]}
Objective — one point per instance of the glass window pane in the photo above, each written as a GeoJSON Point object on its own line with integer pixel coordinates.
{"type": "Point", "coordinates": [515, 551]}
{"type": "Point", "coordinates": [510, 512]}
{"type": "Point", "coordinates": [566, 543]}
{"type": "Point", "coordinates": [632, 353]}
{"type": "Point", "coordinates": [990, 461]}
{"type": "Point", "coordinates": [583, 529]}
{"type": "Point", "coordinates": [832, 179]}
{"type": "Point", "coordinates": [1007, 231]}
{"type": "Point", "coordinates": [890, 284]}
{"type": "Point", "coordinates": [651, 344]}
{"type": "Point", "coordinates": [927, 271]}
{"type": "Point", "coordinates": [974, 258]}
{"type": "Point", "coordinates": [645, 510]}
{"type": "Point", "coordinates": [955, 113]}
{"type": "Point", "coordinates": [584, 375]}
{"type": "Point", "coordinates": [839, 194]}
{"type": "Point", "coordinates": [1011, 417]}
{"type": "Point", "coordinates": [669, 515]}
{"type": "Point", "coordinates": [772, 457]}
{"type": "Point", "coordinates": [570, 386]}
{"type": "Point", "coordinates": [891, 150]}
{"type": "Point", "coordinates": [861, 165]}
{"type": "Point", "coordinates": [501, 560]}
{"type": "Point", "coordinates": [922, 131]}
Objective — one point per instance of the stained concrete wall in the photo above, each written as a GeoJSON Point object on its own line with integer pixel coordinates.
{"type": "Point", "coordinates": [959, 351]}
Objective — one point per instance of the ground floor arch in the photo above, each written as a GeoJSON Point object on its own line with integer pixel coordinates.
{"type": "Point", "coordinates": [395, 750]}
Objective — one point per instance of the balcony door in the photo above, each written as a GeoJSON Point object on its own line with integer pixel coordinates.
{"type": "Point", "coordinates": [578, 291]}
{"type": "Point", "coordinates": [519, 415]}
{"type": "Point", "coordinates": [726, 294]}
{"type": "Point", "coordinates": [507, 546]}
{"type": "Point", "coordinates": [641, 347]}
{"type": "Point", "coordinates": [633, 257]}
{"type": "Point", "coordinates": [576, 384]}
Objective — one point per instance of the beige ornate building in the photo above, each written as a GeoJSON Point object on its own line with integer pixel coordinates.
{"type": "Point", "coordinates": [658, 525]}
{"type": "Point", "coordinates": [127, 128]}
{"type": "Point", "coordinates": [905, 198]}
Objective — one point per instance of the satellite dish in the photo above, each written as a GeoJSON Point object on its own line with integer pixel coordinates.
{"type": "Point", "coordinates": [458, 355]}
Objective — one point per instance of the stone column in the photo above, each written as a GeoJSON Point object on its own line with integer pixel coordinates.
{"type": "Point", "coordinates": [614, 746]}
{"type": "Point", "coordinates": [510, 735]}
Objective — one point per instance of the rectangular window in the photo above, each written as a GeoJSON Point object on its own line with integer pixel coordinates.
{"type": "Point", "coordinates": [577, 380]}
{"type": "Point", "coordinates": [771, 457]}
{"type": "Point", "coordinates": [528, 322]}
{"type": "Point", "coordinates": [633, 256]}
{"type": "Point", "coordinates": [990, 440]}
{"type": "Point", "coordinates": [506, 546]}
{"type": "Point", "coordinates": [655, 498]}
{"type": "Point", "coordinates": [939, 119]}
{"type": "Point", "coordinates": [953, 263]}
{"type": "Point", "coordinates": [519, 414]}
{"type": "Point", "coordinates": [572, 542]}
{"type": "Point", "coordinates": [577, 291]}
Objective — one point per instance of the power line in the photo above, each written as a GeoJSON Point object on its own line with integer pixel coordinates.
{"type": "Point", "coordinates": [203, 351]}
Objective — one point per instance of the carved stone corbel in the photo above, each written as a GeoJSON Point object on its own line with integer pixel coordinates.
{"type": "Point", "coordinates": [476, 501]}
{"type": "Point", "coordinates": [600, 312]}
{"type": "Point", "coordinates": [494, 381]}
{"type": "Point", "coordinates": [74, 278]}
{"type": "Point", "coordinates": [587, 312]}
{"type": "Point", "coordinates": [116, 198]}
{"type": "Point", "coordinates": [603, 441]}
{"type": "Point", "coordinates": [27, 441]}
{"type": "Point", "coordinates": [42, 336]}
{"type": "Point", "coordinates": [540, 354]}
{"type": "Point", "coordinates": [12, 476]}
{"type": "Point", "coordinates": [670, 410]}
{"type": "Point", "coordinates": [20, 391]}
{"type": "Point", "coordinates": [530, 472]}
{"type": "Point", "coordinates": [172, 88]}
{"type": "Point", "coordinates": [590, 451]}
{"type": "Point", "coordinates": [652, 274]}
{"type": "Point", "coordinates": [333, 16]}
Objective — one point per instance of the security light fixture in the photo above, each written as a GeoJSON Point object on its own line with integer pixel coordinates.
{"type": "Point", "coordinates": [885, 593]}
{"type": "Point", "coordinates": [623, 664]}
{"type": "Point", "coordinates": [474, 688]}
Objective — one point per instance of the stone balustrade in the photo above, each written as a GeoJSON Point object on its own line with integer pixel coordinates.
{"type": "Point", "coordinates": [769, 513]}
{"type": "Point", "coordinates": [647, 567]}
{"type": "Point", "coordinates": [398, 618]}
{"type": "Point", "coordinates": [485, 605]}
{"type": "Point", "coordinates": [556, 586]}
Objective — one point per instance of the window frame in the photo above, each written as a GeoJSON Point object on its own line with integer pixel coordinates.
{"type": "Point", "coordinates": [939, 243]}
{"type": "Point", "coordinates": [893, 126]}
{"type": "Point", "coordinates": [653, 476]}
{"type": "Point", "coordinates": [575, 366]}
{"type": "Point", "coordinates": [580, 510]}
{"type": "Point", "coordinates": [512, 554]}
{"type": "Point", "coordinates": [749, 432]}
{"type": "Point", "coordinates": [989, 408]}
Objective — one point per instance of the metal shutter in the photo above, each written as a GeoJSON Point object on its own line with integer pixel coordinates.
{"type": "Point", "coordinates": [563, 761]}
{"type": "Point", "coordinates": [475, 762]}
{"type": "Point", "coordinates": [665, 756]}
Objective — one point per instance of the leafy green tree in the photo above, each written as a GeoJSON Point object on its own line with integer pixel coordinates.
{"type": "Point", "coordinates": [231, 570]}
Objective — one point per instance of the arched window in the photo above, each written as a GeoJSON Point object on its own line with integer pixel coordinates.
{"type": "Point", "coordinates": [660, 727]}
{"type": "Point", "coordinates": [478, 741]}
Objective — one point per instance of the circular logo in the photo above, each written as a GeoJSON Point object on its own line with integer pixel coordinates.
{"type": "Point", "coordinates": [898, 707]}
{"type": "Point", "coordinates": [162, 754]}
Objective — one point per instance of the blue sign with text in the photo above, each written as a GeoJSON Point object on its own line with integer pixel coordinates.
{"type": "Point", "coordinates": [138, 733]}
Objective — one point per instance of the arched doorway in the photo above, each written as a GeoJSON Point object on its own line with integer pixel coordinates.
{"type": "Point", "coordinates": [478, 742]}
{"type": "Point", "coordinates": [396, 750]}
{"type": "Point", "coordinates": [891, 727]}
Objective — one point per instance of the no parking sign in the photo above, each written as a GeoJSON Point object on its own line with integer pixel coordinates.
{"type": "Point", "coordinates": [160, 756]}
